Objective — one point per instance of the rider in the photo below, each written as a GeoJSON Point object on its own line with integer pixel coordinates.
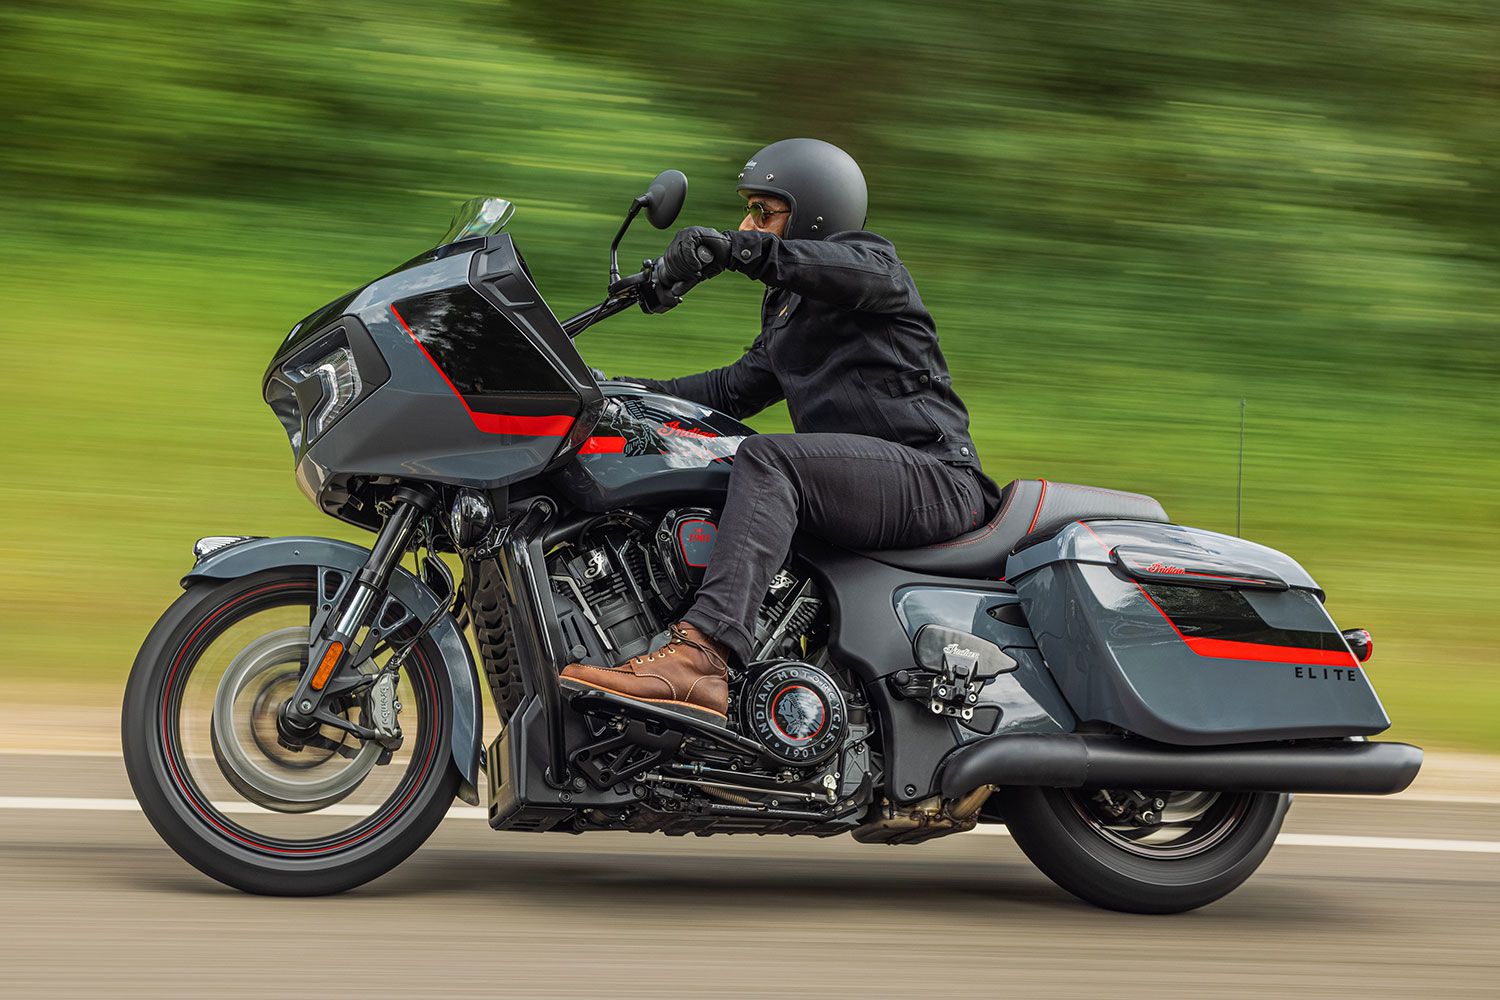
{"type": "Point", "coordinates": [882, 457]}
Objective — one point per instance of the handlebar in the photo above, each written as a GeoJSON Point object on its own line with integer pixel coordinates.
{"type": "Point", "coordinates": [640, 287]}
{"type": "Point", "coordinates": [630, 282]}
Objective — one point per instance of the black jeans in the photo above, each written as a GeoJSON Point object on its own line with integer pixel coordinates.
{"type": "Point", "coordinates": [856, 491]}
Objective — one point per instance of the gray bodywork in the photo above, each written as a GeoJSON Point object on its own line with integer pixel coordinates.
{"type": "Point", "coordinates": [1120, 660]}
{"type": "Point", "coordinates": [254, 555]}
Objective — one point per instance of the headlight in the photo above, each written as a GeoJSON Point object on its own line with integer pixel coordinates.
{"type": "Point", "coordinates": [339, 377]}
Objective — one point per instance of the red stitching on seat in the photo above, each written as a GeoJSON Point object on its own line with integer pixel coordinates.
{"type": "Point", "coordinates": [1039, 501]}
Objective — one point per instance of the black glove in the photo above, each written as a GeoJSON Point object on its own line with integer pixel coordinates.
{"type": "Point", "coordinates": [657, 298]}
{"type": "Point", "coordinates": [695, 254]}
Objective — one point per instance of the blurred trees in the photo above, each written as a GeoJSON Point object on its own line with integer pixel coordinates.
{"type": "Point", "coordinates": [1319, 171]}
{"type": "Point", "coordinates": [1341, 156]}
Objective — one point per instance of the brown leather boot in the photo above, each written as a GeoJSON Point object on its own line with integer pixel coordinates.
{"type": "Point", "coordinates": [690, 674]}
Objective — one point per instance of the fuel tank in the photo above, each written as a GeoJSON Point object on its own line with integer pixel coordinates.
{"type": "Point", "coordinates": [651, 448]}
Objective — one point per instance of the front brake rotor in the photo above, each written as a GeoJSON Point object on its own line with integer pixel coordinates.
{"type": "Point", "coordinates": [276, 780]}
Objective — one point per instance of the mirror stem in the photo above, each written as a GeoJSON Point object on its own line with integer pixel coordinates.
{"type": "Point", "coordinates": [614, 248]}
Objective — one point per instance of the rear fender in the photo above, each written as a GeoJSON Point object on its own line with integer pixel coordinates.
{"type": "Point", "coordinates": [252, 555]}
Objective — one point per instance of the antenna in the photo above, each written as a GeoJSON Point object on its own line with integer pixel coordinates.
{"type": "Point", "coordinates": [1239, 486]}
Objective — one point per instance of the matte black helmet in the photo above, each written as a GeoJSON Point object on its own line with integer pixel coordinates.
{"type": "Point", "coordinates": [822, 182]}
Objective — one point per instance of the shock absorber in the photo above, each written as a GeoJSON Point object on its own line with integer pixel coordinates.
{"type": "Point", "coordinates": [330, 651]}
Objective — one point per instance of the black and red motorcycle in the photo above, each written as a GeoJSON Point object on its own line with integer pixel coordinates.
{"type": "Point", "coordinates": [1134, 698]}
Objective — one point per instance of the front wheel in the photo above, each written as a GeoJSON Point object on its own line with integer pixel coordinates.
{"type": "Point", "coordinates": [1144, 851]}
{"type": "Point", "coordinates": [202, 748]}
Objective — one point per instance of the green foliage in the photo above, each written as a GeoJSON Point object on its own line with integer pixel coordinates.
{"type": "Point", "coordinates": [1125, 217]}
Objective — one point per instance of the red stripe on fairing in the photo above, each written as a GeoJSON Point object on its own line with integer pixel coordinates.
{"type": "Point", "coordinates": [602, 446]}
{"type": "Point", "coordinates": [494, 423]}
{"type": "Point", "coordinates": [506, 423]}
{"type": "Point", "coordinates": [1227, 649]}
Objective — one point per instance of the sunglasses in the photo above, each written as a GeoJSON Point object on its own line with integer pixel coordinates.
{"type": "Point", "coordinates": [760, 211]}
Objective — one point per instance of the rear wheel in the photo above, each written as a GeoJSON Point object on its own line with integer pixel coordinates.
{"type": "Point", "coordinates": [200, 736]}
{"type": "Point", "coordinates": [1144, 851]}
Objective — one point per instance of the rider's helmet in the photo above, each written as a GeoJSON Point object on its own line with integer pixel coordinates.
{"type": "Point", "coordinates": [822, 182]}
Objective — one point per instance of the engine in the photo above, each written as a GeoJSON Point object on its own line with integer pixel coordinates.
{"type": "Point", "coordinates": [624, 579]}
{"type": "Point", "coordinates": [805, 747]}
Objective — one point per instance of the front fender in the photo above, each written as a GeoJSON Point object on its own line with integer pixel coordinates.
{"type": "Point", "coordinates": [255, 554]}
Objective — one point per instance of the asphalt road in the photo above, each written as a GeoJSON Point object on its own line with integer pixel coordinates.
{"type": "Point", "coordinates": [94, 905]}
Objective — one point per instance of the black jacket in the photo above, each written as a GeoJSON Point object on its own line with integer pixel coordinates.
{"type": "Point", "coordinates": [847, 342]}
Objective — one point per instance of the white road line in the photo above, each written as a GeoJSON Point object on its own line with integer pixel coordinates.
{"type": "Point", "coordinates": [228, 808]}
{"type": "Point", "coordinates": [1389, 843]}
{"type": "Point", "coordinates": [1343, 840]}
{"type": "Point", "coordinates": [475, 812]}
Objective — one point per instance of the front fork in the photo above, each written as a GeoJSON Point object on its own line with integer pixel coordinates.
{"type": "Point", "coordinates": [336, 650]}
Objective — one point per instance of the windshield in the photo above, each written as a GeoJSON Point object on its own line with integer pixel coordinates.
{"type": "Point", "coordinates": [479, 217]}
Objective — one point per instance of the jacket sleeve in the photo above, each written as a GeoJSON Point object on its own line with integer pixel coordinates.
{"type": "Point", "coordinates": [859, 273]}
{"type": "Point", "coordinates": [741, 390]}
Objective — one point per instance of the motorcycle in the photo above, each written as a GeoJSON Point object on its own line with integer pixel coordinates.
{"type": "Point", "coordinates": [1136, 700]}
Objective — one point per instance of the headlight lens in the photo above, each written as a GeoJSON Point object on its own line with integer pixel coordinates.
{"type": "Point", "coordinates": [282, 397]}
{"type": "Point", "coordinates": [339, 377]}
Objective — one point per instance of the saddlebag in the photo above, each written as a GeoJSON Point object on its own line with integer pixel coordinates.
{"type": "Point", "coordinates": [1190, 637]}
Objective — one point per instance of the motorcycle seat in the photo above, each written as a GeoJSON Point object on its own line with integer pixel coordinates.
{"type": "Point", "coordinates": [1030, 510]}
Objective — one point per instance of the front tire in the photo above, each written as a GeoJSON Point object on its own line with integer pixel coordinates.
{"type": "Point", "coordinates": [1065, 833]}
{"type": "Point", "coordinates": [173, 761]}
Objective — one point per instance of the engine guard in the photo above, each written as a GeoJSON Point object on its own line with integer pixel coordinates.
{"type": "Point", "coordinates": [241, 558]}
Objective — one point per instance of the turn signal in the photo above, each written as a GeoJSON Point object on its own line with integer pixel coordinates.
{"type": "Point", "coordinates": [325, 668]}
{"type": "Point", "coordinates": [1361, 643]}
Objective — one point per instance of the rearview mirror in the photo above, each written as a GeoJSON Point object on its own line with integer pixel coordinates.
{"type": "Point", "coordinates": [663, 199]}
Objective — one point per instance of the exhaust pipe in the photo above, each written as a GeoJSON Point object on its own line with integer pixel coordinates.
{"type": "Point", "coordinates": [1074, 760]}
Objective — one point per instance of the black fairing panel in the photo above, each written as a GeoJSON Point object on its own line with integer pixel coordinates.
{"type": "Point", "coordinates": [651, 448]}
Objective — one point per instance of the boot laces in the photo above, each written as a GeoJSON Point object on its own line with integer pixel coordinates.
{"type": "Point", "coordinates": [680, 638]}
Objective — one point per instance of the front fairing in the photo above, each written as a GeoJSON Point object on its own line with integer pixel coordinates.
{"type": "Point", "coordinates": [484, 386]}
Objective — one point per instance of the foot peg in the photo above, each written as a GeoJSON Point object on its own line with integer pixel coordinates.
{"type": "Point", "coordinates": [684, 720]}
{"type": "Point", "coordinates": [597, 701]}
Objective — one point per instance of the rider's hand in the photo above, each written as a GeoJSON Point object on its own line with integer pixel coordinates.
{"type": "Point", "coordinates": [656, 297]}
{"type": "Point", "coordinates": [695, 254]}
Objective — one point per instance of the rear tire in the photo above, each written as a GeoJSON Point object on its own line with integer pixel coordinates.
{"type": "Point", "coordinates": [1055, 832]}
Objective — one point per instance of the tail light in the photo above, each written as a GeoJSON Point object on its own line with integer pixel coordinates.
{"type": "Point", "coordinates": [1361, 643]}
